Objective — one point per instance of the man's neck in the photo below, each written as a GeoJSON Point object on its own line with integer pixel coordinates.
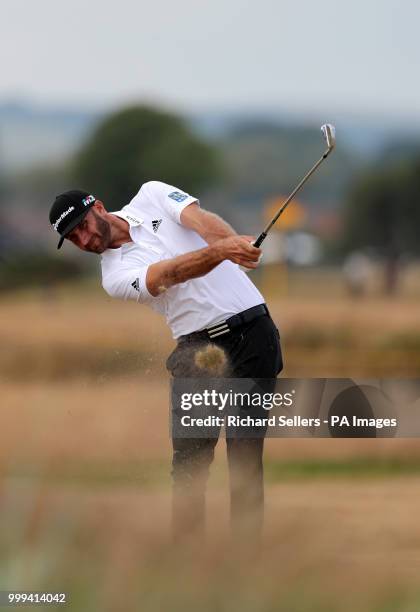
{"type": "Point", "coordinates": [120, 233]}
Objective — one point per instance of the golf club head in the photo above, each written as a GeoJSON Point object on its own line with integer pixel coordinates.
{"type": "Point", "coordinates": [328, 131]}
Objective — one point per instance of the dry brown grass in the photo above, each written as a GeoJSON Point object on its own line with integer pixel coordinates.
{"type": "Point", "coordinates": [88, 334]}
{"type": "Point", "coordinates": [85, 420]}
{"type": "Point", "coordinates": [110, 548]}
{"type": "Point", "coordinates": [126, 422]}
{"type": "Point", "coordinates": [65, 521]}
{"type": "Point", "coordinates": [85, 453]}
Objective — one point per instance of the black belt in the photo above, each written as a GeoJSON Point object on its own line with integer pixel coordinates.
{"type": "Point", "coordinates": [225, 327]}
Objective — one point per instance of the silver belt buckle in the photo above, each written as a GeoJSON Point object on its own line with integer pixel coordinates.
{"type": "Point", "coordinates": [218, 329]}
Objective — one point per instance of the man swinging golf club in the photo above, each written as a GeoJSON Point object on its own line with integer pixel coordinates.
{"type": "Point", "coordinates": [164, 251]}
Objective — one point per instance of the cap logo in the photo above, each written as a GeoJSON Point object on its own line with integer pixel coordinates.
{"type": "Point", "coordinates": [88, 200]}
{"type": "Point", "coordinates": [62, 216]}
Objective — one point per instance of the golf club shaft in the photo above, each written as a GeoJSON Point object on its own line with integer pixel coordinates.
{"type": "Point", "coordinates": [283, 207]}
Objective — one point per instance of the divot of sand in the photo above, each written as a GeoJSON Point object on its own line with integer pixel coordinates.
{"type": "Point", "coordinates": [211, 358]}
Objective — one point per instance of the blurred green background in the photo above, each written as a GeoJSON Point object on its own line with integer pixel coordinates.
{"type": "Point", "coordinates": [85, 449]}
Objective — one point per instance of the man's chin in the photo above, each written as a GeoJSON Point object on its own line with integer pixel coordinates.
{"type": "Point", "coordinates": [97, 248]}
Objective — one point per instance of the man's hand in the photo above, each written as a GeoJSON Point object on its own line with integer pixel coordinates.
{"type": "Point", "coordinates": [239, 250]}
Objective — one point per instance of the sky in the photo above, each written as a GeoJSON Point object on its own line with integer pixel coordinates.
{"type": "Point", "coordinates": [307, 56]}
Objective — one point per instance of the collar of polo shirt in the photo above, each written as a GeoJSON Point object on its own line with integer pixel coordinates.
{"type": "Point", "coordinates": [131, 219]}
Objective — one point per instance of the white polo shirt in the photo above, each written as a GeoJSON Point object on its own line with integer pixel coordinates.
{"type": "Point", "coordinates": [156, 231]}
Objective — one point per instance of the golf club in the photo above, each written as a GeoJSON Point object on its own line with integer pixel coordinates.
{"type": "Point", "coordinates": [328, 132]}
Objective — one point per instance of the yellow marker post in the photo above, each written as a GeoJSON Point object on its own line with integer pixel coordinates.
{"type": "Point", "coordinates": [275, 276]}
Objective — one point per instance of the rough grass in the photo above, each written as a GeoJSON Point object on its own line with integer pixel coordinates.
{"type": "Point", "coordinates": [85, 506]}
{"type": "Point", "coordinates": [85, 454]}
{"type": "Point", "coordinates": [328, 545]}
{"type": "Point", "coordinates": [82, 333]}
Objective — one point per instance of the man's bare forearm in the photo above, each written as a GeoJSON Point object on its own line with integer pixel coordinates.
{"type": "Point", "coordinates": [209, 226]}
{"type": "Point", "coordinates": [216, 228]}
{"type": "Point", "coordinates": [165, 274]}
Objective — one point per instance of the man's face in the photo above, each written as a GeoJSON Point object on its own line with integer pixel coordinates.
{"type": "Point", "coordinates": [93, 234]}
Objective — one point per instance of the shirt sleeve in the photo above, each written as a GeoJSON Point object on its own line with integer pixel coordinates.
{"type": "Point", "coordinates": [171, 199]}
{"type": "Point", "coordinates": [128, 284]}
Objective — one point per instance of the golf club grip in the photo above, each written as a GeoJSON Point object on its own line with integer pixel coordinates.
{"type": "Point", "coordinates": [260, 240]}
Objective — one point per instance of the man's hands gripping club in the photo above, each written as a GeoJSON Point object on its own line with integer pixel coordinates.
{"type": "Point", "coordinates": [240, 250]}
{"type": "Point", "coordinates": [165, 274]}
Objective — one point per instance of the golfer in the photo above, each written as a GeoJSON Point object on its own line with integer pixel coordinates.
{"type": "Point", "coordinates": [164, 251]}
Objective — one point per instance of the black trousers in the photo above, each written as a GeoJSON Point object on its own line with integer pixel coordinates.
{"type": "Point", "coordinates": [252, 351]}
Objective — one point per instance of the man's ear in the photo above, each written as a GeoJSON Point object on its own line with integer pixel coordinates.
{"type": "Point", "coordinates": [99, 207]}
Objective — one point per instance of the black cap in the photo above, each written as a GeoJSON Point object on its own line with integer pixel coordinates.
{"type": "Point", "coordinates": [68, 210]}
